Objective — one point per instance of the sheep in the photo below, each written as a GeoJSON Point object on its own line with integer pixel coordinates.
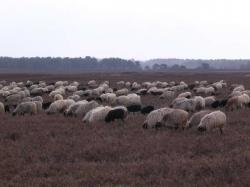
{"type": "Point", "coordinates": [2, 108]}
{"type": "Point", "coordinates": [59, 106]}
{"type": "Point", "coordinates": [154, 118]}
{"type": "Point", "coordinates": [185, 94]}
{"type": "Point", "coordinates": [119, 112]}
{"type": "Point", "coordinates": [123, 91]}
{"type": "Point", "coordinates": [176, 118]}
{"type": "Point", "coordinates": [213, 120]}
{"type": "Point", "coordinates": [237, 102]}
{"type": "Point", "coordinates": [147, 109]}
{"type": "Point", "coordinates": [60, 91]}
{"type": "Point", "coordinates": [196, 118]}
{"type": "Point", "coordinates": [155, 91]}
{"type": "Point", "coordinates": [96, 114]}
{"type": "Point", "coordinates": [209, 101]}
{"type": "Point", "coordinates": [134, 108]}
{"type": "Point", "coordinates": [142, 91]}
{"type": "Point", "coordinates": [108, 98]}
{"type": "Point", "coordinates": [86, 107]}
{"type": "Point", "coordinates": [200, 102]}
{"type": "Point", "coordinates": [130, 99]}
{"type": "Point", "coordinates": [167, 94]}
{"type": "Point", "coordinates": [57, 97]}
{"type": "Point", "coordinates": [184, 103]}
{"type": "Point", "coordinates": [74, 97]}
{"type": "Point", "coordinates": [239, 88]}
{"type": "Point", "coordinates": [25, 107]}
{"type": "Point", "coordinates": [71, 110]}
{"type": "Point", "coordinates": [92, 84]}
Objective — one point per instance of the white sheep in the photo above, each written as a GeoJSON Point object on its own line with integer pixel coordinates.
{"type": "Point", "coordinates": [57, 97]}
{"type": "Point", "coordinates": [176, 118]}
{"type": "Point", "coordinates": [96, 114]}
{"type": "Point", "coordinates": [167, 94]}
{"type": "Point", "coordinates": [74, 97]}
{"type": "Point", "coordinates": [154, 118]}
{"type": "Point", "coordinates": [84, 108]}
{"type": "Point", "coordinates": [216, 119]}
{"type": "Point", "coordinates": [108, 98]}
{"type": "Point", "coordinates": [59, 106]}
{"type": "Point", "coordinates": [123, 91]}
{"type": "Point", "coordinates": [200, 102]}
{"type": "Point", "coordinates": [25, 108]}
{"type": "Point", "coordinates": [196, 118]}
{"type": "Point", "coordinates": [185, 94]}
{"type": "Point", "coordinates": [71, 110]}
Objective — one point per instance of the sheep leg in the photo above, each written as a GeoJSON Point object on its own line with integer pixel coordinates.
{"type": "Point", "coordinates": [221, 131]}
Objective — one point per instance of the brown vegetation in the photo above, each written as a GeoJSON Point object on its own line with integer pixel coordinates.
{"type": "Point", "coordinates": [53, 150]}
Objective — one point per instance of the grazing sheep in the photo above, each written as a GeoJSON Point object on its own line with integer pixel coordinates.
{"type": "Point", "coordinates": [119, 112]}
{"type": "Point", "coordinates": [130, 99]}
{"type": "Point", "coordinates": [92, 84]}
{"type": "Point", "coordinates": [86, 107]}
{"type": "Point", "coordinates": [209, 101]}
{"type": "Point", "coordinates": [58, 97]}
{"type": "Point", "coordinates": [123, 91]}
{"type": "Point", "coordinates": [96, 114]}
{"type": "Point", "coordinates": [196, 118]}
{"type": "Point", "coordinates": [108, 98]}
{"type": "Point", "coordinates": [167, 94]}
{"type": "Point", "coordinates": [200, 102]}
{"type": "Point", "coordinates": [176, 118]}
{"type": "Point", "coordinates": [184, 104]}
{"type": "Point", "coordinates": [134, 108]}
{"type": "Point", "coordinates": [216, 119]}
{"type": "Point", "coordinates": [39, 106]}
{"type": "Point", "coordinates": [25, 108]}
{"type": "Point", "coordinates": [2, 108]}
{"type": "Point", "coordinates": [185, 94]}
{"type": "Point", "coordinates": [237, 102]}
{"type": "Point", "coordinates": [142, 92]}
{"type": "Point", "coordinates": [71, 110]}
{"type": "Point", "coordinates": [59, 106]}
{"type": "Point", "coordinates": [154, 118]}
{"type": "Point", "coordinates": [75, 97]}
{"type": "Point", "coordinates": [147, 109]}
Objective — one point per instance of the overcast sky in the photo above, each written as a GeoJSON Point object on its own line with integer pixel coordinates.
{"type": "Point", "coordinates": [140, 29]}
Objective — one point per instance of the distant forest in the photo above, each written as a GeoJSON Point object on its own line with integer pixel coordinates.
{"type": "Point", "coordinates": [91, 64]}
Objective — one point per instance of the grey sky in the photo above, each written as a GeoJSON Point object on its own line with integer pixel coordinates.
{"type": "Point", "coordinates": [140, 29]}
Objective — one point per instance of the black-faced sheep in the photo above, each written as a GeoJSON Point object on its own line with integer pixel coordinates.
{"type": "Point", "coordinates": [119, 112]}
{"type": "Point", "coordinates": [96, 114]}
{"type": "Point", "coordinates": [213, 120]}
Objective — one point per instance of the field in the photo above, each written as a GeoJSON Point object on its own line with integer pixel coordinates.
{"type": "Point", "coordinates": [44, 150]}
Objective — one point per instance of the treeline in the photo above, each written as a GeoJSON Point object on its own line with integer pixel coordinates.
{"type": "Point", "coordinates": [67, 65]}
{"type": "Point", "coordinates": [197, 64]}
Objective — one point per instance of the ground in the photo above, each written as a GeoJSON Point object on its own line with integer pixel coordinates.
{"type": "Point", "coordinates": [53, 150]}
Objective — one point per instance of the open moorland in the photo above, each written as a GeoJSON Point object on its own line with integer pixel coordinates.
{"type": "Point", "coordinates": [54, 150]}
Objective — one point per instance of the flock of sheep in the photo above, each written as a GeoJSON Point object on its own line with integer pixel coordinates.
{"type": "Point", "coordinates": [193, 105]}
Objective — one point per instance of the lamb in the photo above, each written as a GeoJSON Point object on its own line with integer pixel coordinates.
{"type": "Point", "coordinates": [176, 118]}
{"type": "Point", "coordinates": [213, 120]}
{"type": "Point", "coordinates": [86, 107]}
{"type": "Point", "coordinates": [154, 118]}
{"type": "Point", "coordinates": [196, 118]}
{"type": "Point", "coordinates": [96, 114]}
{"type": "Point", "coordinates": [119, 112]}
{"type": "Point", "coordinates": [25, 107]}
